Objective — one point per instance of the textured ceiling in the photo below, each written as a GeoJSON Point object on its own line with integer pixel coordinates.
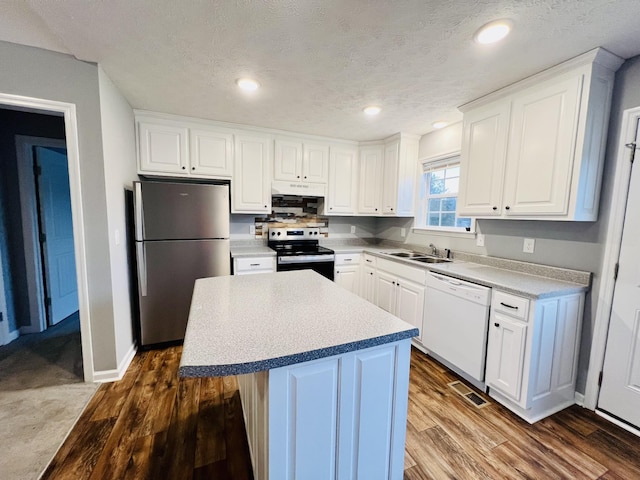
{"type": "Point", "coordinates": [319, 62]}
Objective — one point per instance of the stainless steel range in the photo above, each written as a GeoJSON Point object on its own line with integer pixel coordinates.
{"type": "Point", "coordinates": [299, 249]}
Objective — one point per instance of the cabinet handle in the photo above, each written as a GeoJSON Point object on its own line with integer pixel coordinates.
{"type": "Point", "coordinates": [254, 264]}
{"type": "Point", "coordinates": [193, 168]}
{"type": "Point", "coordinates": [370, 273]}
{"type": "Point", "coordinates": [305, 176]}
{"type": "Point", "coordinates": [496, 324]}
{"type": "Point", "coordinates": [367, 260]}
{"type": "Point", "coordinates": [265, 206]}
{"type": "Point", "coordinates": [299, 176]}
{"type": "Point", "coordinates": [507, 207]}
{"type": "Point", "coordinates": [495, 208]}
{"type": "Point", "coordinates": [393, 283]}
{"type": "Point", "coordinates": [392, 209]}
{"type": "Point", "coordinates": [348, 259]}
{"type": "Point", "coordinates": [508, 306]}
{"type": "Point", "coordinates": [330, 208]}
{"type": "Point", "coordinates": [376, 209]}
{"type": "Point", "coordinates": [184, 168]}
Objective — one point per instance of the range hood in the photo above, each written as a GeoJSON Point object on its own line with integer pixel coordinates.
{"type": "Point", "coordinates": [298, 188]}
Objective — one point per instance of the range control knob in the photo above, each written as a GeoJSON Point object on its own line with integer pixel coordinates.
{"type": "Point", "coordinates": [279, 233]}
{"type": "Point", "coordinates": [273, 233]}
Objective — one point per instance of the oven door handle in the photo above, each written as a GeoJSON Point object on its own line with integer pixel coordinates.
{"type": "Point", "coordinates": [306, 259]}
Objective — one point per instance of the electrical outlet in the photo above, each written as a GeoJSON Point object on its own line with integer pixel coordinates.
{"type": "Point", "coordinates": [403, 232]}
{"type": "Point", "coordinates": [480, 239]}
{"type": "Point", "coordinates": [252, 229]}
{"type": "Point", "coordinates": [529, 245]}
{"type": "Point", "coordinates": [353, 229]}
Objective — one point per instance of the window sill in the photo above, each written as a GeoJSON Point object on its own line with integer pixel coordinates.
{"type": "Point", "coordinates": [442, 232]}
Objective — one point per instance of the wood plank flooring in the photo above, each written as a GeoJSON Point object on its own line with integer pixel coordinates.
{"type": "Point", "coordinates": [152, 425]}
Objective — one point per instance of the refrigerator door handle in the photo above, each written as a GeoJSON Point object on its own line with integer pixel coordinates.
{"type": "Point", "coordinates": [142, 268]}
{"type": "Point", "coordinates": [138, 210]}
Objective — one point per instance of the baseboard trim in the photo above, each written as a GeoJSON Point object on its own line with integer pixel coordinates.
{"type": "Point", "coordinates": [617, 422]}
{"type": "Point", "coordinates": [11, 336]}
{"type": "Point", "coordinates": [579, 397]}
{"type": "Point", "coordinates": [104, 376]}
{"type": "Point", "coordinates": [29, 329]}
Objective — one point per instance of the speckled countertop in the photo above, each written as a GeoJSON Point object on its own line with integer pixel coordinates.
{"type": "Point", "coordinates": [255, 251]}
{"type": "Point", "coordinates": [249, 323]}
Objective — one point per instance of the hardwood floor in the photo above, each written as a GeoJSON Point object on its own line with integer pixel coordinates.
{"type": "Point", "coordinates": [153, 425]}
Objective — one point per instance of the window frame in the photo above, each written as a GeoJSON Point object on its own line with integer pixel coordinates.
{"type": "Point", "coordinates": [420, 220]}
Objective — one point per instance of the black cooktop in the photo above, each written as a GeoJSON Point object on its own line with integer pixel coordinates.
{"type": "Point", "coordinates": [309, 247]}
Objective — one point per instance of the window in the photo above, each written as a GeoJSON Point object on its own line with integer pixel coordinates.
{"type": "Point", "coordinates": [439, 185]}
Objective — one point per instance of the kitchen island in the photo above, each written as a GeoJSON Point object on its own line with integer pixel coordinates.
{"type": "Point", "coordinates": [323, 374]}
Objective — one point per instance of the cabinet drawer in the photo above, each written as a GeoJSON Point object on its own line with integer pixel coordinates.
{"type": "Point", "coordinates": [369, 260]}
{"type": "Point", "coordinates": [245, 265]}
{"type": "Point", "coordinates": [347, 259]}
{"type": "Point", "coordinates": [512, 305]}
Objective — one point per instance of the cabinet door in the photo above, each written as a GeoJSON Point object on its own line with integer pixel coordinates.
{"type": "Point", "coordinates": [343, 181]}
{"type": "Point", "coordinates": [211, 152]}
{"type": "Point", "coordinates": [368, 291]}
{"type": "Point", "coordinates": [251, 180]}
{"type": "Point", "coordinates": [370, 185]}
{"type": "Point", "coordinates": [287, 160]}
{"type": "Point", "coordinates": [410, 303]}
{"type": "Point", "coordinates": [315, 163]}
{"type": "Point", "coordinates": [386, 291]}
{"type": "Point", "coordinates": [541, 149]}
{"type": "Point", "coordinates": [482, 162]}
{"type": "Point", "coordinates": [163, 147]}
{"type": "Point", "coordinates": [505, 355]}
{"type": "Point", "coordinates": [347, 277]}
{"type": "Point", "coordinates": [390, 178]}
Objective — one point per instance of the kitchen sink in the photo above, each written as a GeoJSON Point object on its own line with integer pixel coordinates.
{"type": "Point", "coordinates": [430, 259]}
{"type": "Point", "coordinates": [407, 254]}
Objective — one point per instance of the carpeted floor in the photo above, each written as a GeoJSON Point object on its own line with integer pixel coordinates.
{"type": "Point", "coordinates": [42, 393]}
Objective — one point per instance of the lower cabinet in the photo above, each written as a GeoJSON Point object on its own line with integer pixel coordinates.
{"type": "Point", "coordinates": [251, 265]}
{"type": "Point", "coordinates": [346, 272]}
{"type": "Point", "coordinates": [341, 417]}
{"type": "Point", "coordinates": [400, 290]}
{"type": "Point", "coordinates": [532, 352]}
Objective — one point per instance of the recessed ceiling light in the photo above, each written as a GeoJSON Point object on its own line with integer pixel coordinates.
{"type": "Point", "coordinates": [372, 110]}
{"type": "Point", "coordinates": [247, 84]}
{"type": "Point", "coordinates": [493, 31]}
{"type": "Point", "coordinates": [439, 124]}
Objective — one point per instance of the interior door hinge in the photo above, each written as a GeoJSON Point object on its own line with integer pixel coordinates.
{"type": "Point", "coordinates": [37, 170]}
{"type": "Point", "coordinates": [43, 238]}
{"type": "Point", "coordinates": [633, 148]}
{"type": "Point", "coordinates": [600, 379]}
{"type": "Point", "coordinates": [47, 301]}
{"type": "Point", "coordinates": [615, 271]}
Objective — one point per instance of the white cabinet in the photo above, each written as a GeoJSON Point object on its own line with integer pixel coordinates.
{"type": "Point", "coordinates": [347, 271]}
{"type": "Point", "coordinates": [252, 265]}
{"type": "Point", "coordinates": [370, 180]}
{"type": "Point", "coordinates": [251, 185]}
{"type": "Point", "coordinates": [343, 181]}
{"type": "Point", "coordinates": [535, 149]}
{"type": "Point", "coordinates": [387, 177]}
{"type": "Point", "coordinates": [183, 149]}
{"type": "Point", "coordinates": [163, 146]}
{"type": "Point", "coordinates": [399, 290]}
{"type": "Point", "coordinates": [368, 278]}
{"type": "Point", "coordinates": [315, 162]}
{"type": "Point", "coordinates": [300, 161]}
{"type": "Point", "coordinates": [532, 352]}
{"type": "Point", "coordinates": [211, 152]}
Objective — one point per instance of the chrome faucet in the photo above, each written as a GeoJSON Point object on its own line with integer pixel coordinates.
{"type": "Point", "coordinates": [434, 250]}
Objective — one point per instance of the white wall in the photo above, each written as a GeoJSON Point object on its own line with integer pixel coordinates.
{"type": "Point", "coordinates": [42, 74]}
{"type": "Point", "coordinates": [118, 145]}
{"type": "Point", "coordinates": [441, 142]}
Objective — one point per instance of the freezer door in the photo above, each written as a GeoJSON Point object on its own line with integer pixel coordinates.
{"type": "Point", "coordinates": [181, 211]}
{"type": "Point", "coordinates": [167, 271]}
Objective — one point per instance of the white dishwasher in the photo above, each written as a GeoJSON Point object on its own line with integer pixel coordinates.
{"type": "Point", "coordinates": [456, 320]}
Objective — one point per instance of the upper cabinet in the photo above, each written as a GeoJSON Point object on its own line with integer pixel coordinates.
{"type": "Point", "coordinates": [535, 149]}
{"type": "Point", "coordinates": [343, 181]}
{"type": "Point", "coordinates": [251, 185]}
{"type": "Point", "coordinates": [387, 177]}
{"type": "Point", "coordinates": [300, 161]}
{"type": "Point", "coordinates": [182, 149]}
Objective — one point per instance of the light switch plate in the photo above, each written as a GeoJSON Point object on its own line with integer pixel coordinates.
{"type": "Point", "coordinates": [480, 239]}
{"type": "Point", "coordinates": [529, 245]}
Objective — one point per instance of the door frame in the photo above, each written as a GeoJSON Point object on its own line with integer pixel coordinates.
{"type": "Point", "coordinates": [68, 110]}
{"type": "Point", "coordinates": [613, 241]}
{"type": "Point", "coordinates": [30, 228]}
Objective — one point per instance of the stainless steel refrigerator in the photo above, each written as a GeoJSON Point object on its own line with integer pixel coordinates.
{"type": "Point", "coordinates": [182, 234]}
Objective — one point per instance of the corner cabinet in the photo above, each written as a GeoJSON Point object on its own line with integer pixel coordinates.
{"type": "Point", "coordinates": [532, 352]}
{"type": "Point", "coordinates": [535, 149]}
{"type": "Point", "coordinates": [251, 185]}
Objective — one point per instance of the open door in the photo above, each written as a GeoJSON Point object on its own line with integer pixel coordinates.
{"type": "Point", "coordinates": [56, 228]}
{"type": "Point", "coordinates": [620, 390]}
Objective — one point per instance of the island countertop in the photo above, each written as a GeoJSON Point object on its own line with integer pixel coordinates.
{"type": "Point", "coordinates": [249, 323]}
